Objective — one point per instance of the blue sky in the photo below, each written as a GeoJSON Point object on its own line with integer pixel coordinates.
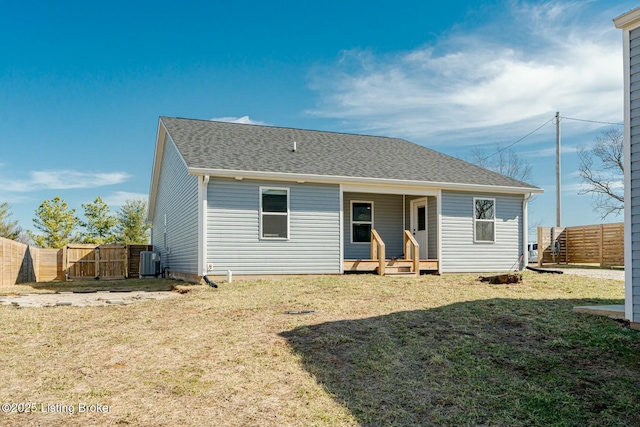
{"type": "Point", "coordinates": [82, 83]}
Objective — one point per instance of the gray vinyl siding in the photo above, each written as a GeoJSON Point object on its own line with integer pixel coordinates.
{"type": "Point", "coordinates": [387, 221]}
{"type": "Point", "coordinates": [233, 229]}
{"type": "Point", "coordinates": [634, 63]}
{"type": "Point", "coordinates": [459, 251]}
{"type": "Point", "coordinates": [177, 198]}
{"type": "Point", "coordinates": [432, 226]}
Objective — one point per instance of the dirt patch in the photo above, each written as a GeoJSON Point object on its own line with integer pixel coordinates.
{"type": "Point", "coordinates": [82, 299]}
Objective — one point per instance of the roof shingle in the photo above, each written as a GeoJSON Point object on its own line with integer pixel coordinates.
{"type": "Point", "coordinates": [208, 144]}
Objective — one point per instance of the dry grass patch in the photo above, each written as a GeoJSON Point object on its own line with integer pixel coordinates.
{"type": "Point", "coordinates": [375, 351]}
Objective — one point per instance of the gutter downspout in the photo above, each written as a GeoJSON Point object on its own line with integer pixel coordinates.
{"type": "Point", "coordinates": [202, 229]}
{"type": "Point", "coordinates": [525, 229]}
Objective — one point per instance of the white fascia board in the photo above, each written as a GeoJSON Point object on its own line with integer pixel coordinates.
{"type": "Point", "coordinates": [161, 138]}
{"type": "Point", "coordinates": [349, 180]}
{"type": "Point", "coordinates": [628, 20]}
{"type": "Point", "coordinates": [390, 189]}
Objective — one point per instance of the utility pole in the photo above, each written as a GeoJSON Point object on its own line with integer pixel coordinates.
{"type": "Point", "coordinates": [558, 183]}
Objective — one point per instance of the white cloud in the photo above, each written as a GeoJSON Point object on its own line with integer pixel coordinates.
{"type": "Point", "coordinates": [13, 198]}
{"type": "Point", "coordinates": [63, 180]}
{"type": "Point", "coordinates": [244, 120]}
{"type": "Point", "coordinates": [551, 152]}
{"type": "Point", "coordinates": [502, 80]}
{"type": "Point", "coordinates": [118, 198]}
{"type": "Point", "coordinates": [577, 187]}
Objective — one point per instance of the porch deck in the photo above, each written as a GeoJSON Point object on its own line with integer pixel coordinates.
{"type": "Point", "coordinates": [391, 266]}
{"type": "Point", "coordinates": [378, 263]}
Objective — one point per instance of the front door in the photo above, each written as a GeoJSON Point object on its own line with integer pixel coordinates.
{"type": "Point", "coordinates": [419, 225]}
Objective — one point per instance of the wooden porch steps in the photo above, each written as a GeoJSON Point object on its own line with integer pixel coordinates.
{"type": "Point", "coordinates": [400, 274]}
{"type": "Point", "coordinates": [410, 264]}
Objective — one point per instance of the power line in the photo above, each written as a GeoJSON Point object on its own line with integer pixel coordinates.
{"type": "Point", "coordinates": [521, 139]}
{"type": "Point", "coordinates": [592, 121]}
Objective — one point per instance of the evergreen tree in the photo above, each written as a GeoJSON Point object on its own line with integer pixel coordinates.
{"type": "Point", "coordinates": [100, 224]}
{"type": "Point", "coordinates": [57, 223]}
{"type": "Point", "coordinates": [8, 229]}
{"type": "Point", "coordinates": [132, 226]}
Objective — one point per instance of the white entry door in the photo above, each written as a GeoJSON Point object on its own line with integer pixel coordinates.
{"type": "Point", "coordinates": [419, 225]}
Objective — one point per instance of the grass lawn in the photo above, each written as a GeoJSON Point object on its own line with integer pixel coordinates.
{"type": "Point", "coordinates": [375, 351]}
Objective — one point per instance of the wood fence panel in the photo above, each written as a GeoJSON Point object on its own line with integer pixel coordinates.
{"type": "Point", "coordinates": [583, 244]}
{"type": "Point", "coordinates": [546, 236]}
{"type": "Point", "coordinates": [112, 262]}
{"type": "Point", "coordinates": [49, 265]}
{"type": "Point", "coordinates": [16, 263]}
{"type": "Point", "coordinates": [134, 259]}
{"type": "Point", "coordinates": [601, 244]}
{"type": "Point", "coordinates": [89, 261]}
{"type": "Point", "coordinates": [613, 245]}
{"type": "Point", "coordinates": [20, 263]}
{"type": "Point", "coordinates": [81, 261]}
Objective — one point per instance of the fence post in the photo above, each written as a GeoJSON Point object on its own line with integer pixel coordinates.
{"type": "Point", "coordinates": [96, 255]}
{"type": "Point", "coordinates": [540, 247]}
{"type": "Point", "coordinates": [601, 245]}
{"type": "Point", "coordinates": [65, 262]}
{"type": "Point", "coordinates": [566, 245]}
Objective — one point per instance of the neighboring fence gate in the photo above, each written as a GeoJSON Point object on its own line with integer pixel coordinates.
{"type": "Point", "coordinates": [601, 244]}
{"type": "Point", "coordinates": [89, 261]}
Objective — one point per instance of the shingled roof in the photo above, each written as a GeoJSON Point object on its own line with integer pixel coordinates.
{"type": "Point", "coordinates": [211, 145]}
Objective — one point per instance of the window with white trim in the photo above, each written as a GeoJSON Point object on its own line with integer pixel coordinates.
{"type": "Point", "coordinates": [361, 221]}
{"type": "Point", "coordinates": [484, 214]}
{"type": "Point", "coordinates": [274, 213]}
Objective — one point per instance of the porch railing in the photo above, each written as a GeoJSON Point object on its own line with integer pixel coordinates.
{"type": "Point", "coordinates": [378, 251]}
{"type": "Point", "coordinates": [411, 246]}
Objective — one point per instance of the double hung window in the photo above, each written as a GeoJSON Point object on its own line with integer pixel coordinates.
{"type": "Point", "coordinates": [274, 213]}
{"type": "Point", "coordinates": [484, 220]}
{"type": "Point", "coordinates": [361, 221]}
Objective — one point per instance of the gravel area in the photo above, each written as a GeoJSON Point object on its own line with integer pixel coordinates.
{"type": "Point", "coordinates": [593, 272]}
{"type": "Point", "coordinates": [81, 299]}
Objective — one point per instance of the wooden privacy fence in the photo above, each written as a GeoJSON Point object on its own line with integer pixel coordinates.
{"type": "Point", "coordinates": [134, 259]}
{"type": "Point", "coordinates": [20, 263]}
{"type": "Point", "coordinates": [601, 244]}
{"type": "Point", "coordinates": [107, 262]}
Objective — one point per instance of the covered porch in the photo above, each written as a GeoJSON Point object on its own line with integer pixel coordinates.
{"type": "Point", "coordinates": [392, 232]}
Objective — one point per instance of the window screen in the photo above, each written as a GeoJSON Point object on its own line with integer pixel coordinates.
{"type": "Point", "coordinates": [484, 220]}
{"type": "Point", "coordinates": [274, 213]}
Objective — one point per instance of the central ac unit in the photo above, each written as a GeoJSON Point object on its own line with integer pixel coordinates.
{"type": "Point", "coordinates": [150, 264]}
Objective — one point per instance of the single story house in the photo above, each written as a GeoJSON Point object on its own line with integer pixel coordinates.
{"type": "Point", "coordinates": [264, 200]}
{"type": "Point", "coordinates": [629, 23]}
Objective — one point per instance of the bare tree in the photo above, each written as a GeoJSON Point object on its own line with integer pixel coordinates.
{"type": "Point", "coordinates": [602, 170]}
{"type": "Point", "coordinates": [504, 161]}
